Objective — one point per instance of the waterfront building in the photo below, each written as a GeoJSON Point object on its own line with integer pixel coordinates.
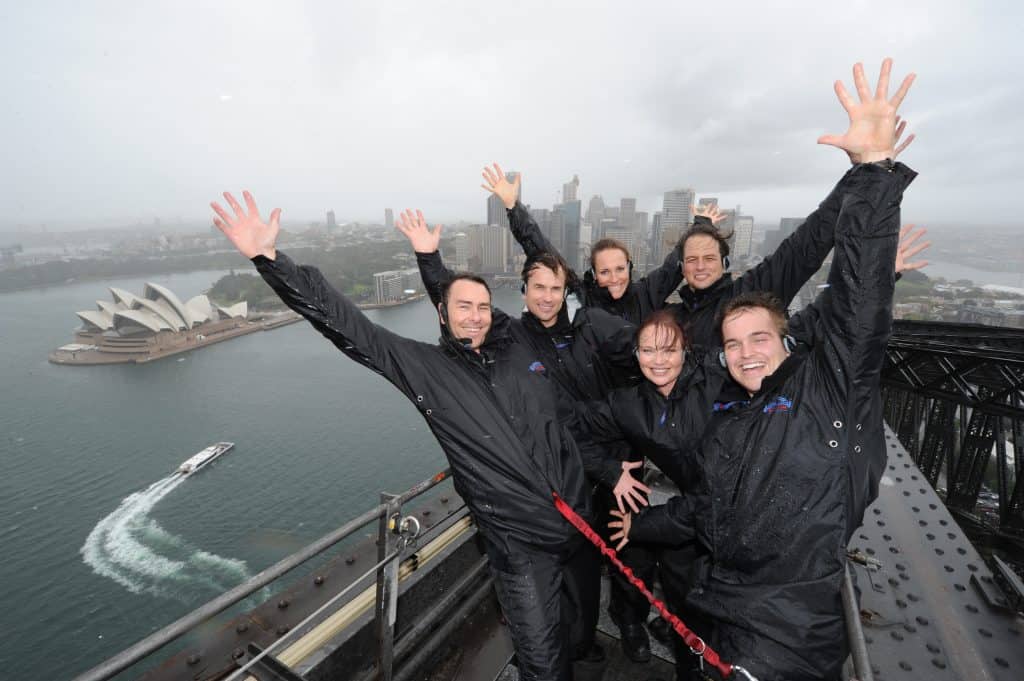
{"type": "Point", "coordinates": [133, 328]}
{"type": "Point", "coordinates": [391, 286]}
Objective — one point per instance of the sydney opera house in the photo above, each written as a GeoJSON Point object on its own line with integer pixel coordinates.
{"type": "Point", "coordinates": [156, 324]}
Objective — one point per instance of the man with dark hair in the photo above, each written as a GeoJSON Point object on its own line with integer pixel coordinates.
{"type": "Point", "coordinates": [705, 260]}
{"type": "Point", "coordinates": [494, 416]}
{"type": "Point", "coordinates": [795, 450]}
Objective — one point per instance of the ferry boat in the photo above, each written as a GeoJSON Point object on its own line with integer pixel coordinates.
{"type": "Point", "coordinates": [203, 457]}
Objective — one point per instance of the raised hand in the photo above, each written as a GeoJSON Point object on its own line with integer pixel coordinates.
{"type": "Point", "coordinates": [872, 132]}
{"type": "Point", "coordinates": [496, 183]}
{"type": "Point", "coordinates": [622, 524]}
{"type": "Point", "coordinates": [907, 248]}
{"type": "Point", "coordinates": [901, 126]}
{"type": "Point", "coordinates": [415, 229]}
{"type": "Point", "coordinates": [630, 490]}
{"type": "Point", "coordinates": [710, 211]}
{"type": "Point", "coordinates": [246, 230]}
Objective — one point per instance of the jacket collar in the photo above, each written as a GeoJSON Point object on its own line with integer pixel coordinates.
{"type": "Point", "coordinates": [498, 336]}
{"type": "Point", "coordinates": [561, 327]}
{"type": "Point", "coordinates": [733, 394]}
{"type": "Point", "coordinates": [696, 298]}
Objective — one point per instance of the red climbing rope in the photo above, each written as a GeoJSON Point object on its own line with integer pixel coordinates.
{"type": "Point", "coordinates": [696, 643]}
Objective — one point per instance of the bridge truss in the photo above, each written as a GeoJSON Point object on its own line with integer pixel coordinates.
{"type": "Point", "coordinates": [954, 395]}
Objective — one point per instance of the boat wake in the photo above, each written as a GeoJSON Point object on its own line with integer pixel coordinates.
{"type": "Point", "coordinates": [135, 551]}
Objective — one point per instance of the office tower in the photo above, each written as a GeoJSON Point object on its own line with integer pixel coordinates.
{"type": "Point", "coordinates": [743, 235]}
{"type": "Point", "coordinates": [494, 246]}
{"type": "Point", "coordinates": [676, 217]}
{"type": "Point", "coordinates": [627, 214]}
{"type": "Point", "coordinates": [606, 226]}
{"type": "Point", "coordinates": [462, 252]}
{"type": "Point", "coordinates": [572, 215]}
{"type": "Point", "coordinates": [595, 210]}
{"type": "Point", "coordinates": [332, 224]}
{"type": "Point", "coordinates": [656, 250]}
{"type": "Point", "coordinates": [571, 190]}
{"type": "Point", "coordinates": [389, 218]}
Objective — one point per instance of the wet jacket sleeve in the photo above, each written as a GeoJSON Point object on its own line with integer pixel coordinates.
{"type": "Point", "coordinates": [594, 427]}
{"type": "Point", "coordinates": [305, 290]}
{"type": "Point", "coordinates": [673, 522]}
{"type": "Point", "coordinates": [801, 254]}
{"type": "Point", "coordinates": [526, 232]}
{"type": "Point", "coordinates": [612, 336]}
{"type": "Point", "coordinates": [434, 275]}
{"type": "Point", "coordinates": [855, 311]}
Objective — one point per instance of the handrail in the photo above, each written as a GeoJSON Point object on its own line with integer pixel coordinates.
{"type": "Point", "coordinates": [172, 631]}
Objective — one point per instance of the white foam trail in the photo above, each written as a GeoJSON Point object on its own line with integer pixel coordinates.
{"type": "Point", "coordinates": [135, 551]}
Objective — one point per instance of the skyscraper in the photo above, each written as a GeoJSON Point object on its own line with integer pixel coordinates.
{"type": "Point", "coordinates": [572, 221]}
{"type": "Point", "coordinates": [332, 224]}
{"type": "Point", "coordinates": [676, 217]}
{"type": "Point", "coordinates": [389, 218]}
{"type": "Point", "coordinates": [571, 190]}
{"type": "Point", "coordinates": [627, 214]}
{"type": "Point", "coordinates": [742, 236]}
{"type": "Point", "coordinates": [595, 210]}
{"type": "Point", "coordinates": [494, 246]}
{"type": "Point", "coordinates": [462, 252]}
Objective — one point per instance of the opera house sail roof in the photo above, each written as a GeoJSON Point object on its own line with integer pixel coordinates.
{"type": "Point", "coordinates": [157, 309]}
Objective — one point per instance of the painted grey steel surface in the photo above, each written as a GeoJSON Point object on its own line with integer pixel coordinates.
{"type": "Point", "coordinates": [922, 616]}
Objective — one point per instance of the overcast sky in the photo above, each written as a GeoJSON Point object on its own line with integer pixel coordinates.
{"type": "Point", "coordinates": [116, 112]}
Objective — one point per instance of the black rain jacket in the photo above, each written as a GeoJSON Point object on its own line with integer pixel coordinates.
{"type": "Point", "coordinates": [788, 472]}
{"type": "Point", "coordinates": [493, 412]}
{"type": "Point", "coordinates": [642, 297]}
{"type": "Point", "coordinates": [783, 273]}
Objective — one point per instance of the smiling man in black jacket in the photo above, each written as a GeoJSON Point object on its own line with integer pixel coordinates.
{"type": "Point", "coordinates": [795, 451]}
{"type": "Point", "coordinates": [492, 411]}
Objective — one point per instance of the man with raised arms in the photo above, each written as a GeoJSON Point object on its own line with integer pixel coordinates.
{"type": "Point", "coordinates": [795, 450]}
{"type": "Point", "coordinates": [494, 417]}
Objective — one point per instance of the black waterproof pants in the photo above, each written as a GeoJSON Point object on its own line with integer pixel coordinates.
{"type": "Point", "coordinates": [677, 572]}
{"type": "Point", "coordinates": [550, 604]}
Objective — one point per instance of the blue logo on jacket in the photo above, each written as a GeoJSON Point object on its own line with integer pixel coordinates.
{"type": "Point", "coordinates": [780, 403]}
{"type": "Point", "coordinates": [537, 368]}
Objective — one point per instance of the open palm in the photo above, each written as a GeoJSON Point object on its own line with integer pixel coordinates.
{"type": "Point", "coordinates": [414, 227]}
{"type": "Point", "coordinates": [246, 230]}
{"type": "Point", "coordinates": [872, 133]}
{"type": "Point", "coordinates": [496, 183]}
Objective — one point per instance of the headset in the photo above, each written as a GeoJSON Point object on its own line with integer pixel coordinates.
{"type": "Point", "coordinates": [726, 263]}
{"type": "Point", "coordinates": [788, 344]}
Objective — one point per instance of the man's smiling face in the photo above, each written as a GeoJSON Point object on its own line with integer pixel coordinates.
{"type": "Point", "coordinates": [753, 346]}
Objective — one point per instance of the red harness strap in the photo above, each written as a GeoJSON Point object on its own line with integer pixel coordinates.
{"type": "Point", "coordinates": [697, 645]}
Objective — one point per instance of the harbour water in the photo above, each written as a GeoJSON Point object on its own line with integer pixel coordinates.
{"type": "Point", "coordinates": [101, 544]}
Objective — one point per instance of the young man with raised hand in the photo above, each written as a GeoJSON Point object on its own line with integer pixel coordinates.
{"type": "Point", "coordinates": [495, 419]}
{"type": "Point", "coordinates": [795, 450]}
